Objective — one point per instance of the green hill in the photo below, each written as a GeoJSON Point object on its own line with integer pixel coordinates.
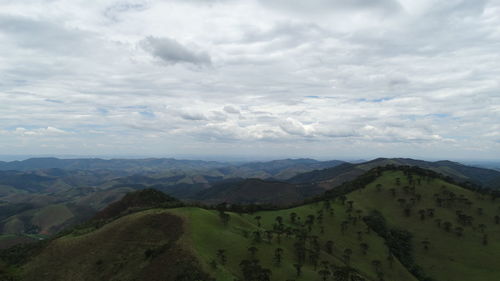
{"type": "Point", "coordinates": [335, 176]}
{"type": "Point", "coordinates": [393, 223]}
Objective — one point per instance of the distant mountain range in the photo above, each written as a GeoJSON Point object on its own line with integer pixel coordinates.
{"type": "Point", "coordinates": [394, 223]}
{"type": "Point", "coordinates": [486, 178]}
{"type": "Point", "coordinates": [278, 168]}
{"type": "Point", "coordinates": [45, 195]}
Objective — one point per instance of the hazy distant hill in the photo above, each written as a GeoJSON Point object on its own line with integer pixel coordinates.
{"type": "Point", "coordinates": [151, 164]}
{"type": "Point", "coordinates": [279, 169]}
{"type": "Point", "coordinates": [312, 183]}
{"type": "Point", "coordinates": [47, 200]}
{"type": "Point", "coordinates": [332, 177]}
{"type": "Point", "coordinates": [392, 223]}
{"type": "Point", "coordinates": [43, 195]}
{"type": "Point", "coordinates": [255, 191]}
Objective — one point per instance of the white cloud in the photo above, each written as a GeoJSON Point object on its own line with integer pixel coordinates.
{"type": "Point", "coordinates": [321, 77]}
{"type": "Point", "coordinates": [48, 131]}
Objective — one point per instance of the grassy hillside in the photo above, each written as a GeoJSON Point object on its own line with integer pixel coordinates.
{"type": "Point", "coordinates": [138, 245]}
{"type": "Point", "coordinates": [209, 235]}
{"type": "Point", "coordinates": [453, 220]}
{"type": "Point", "coordinates": [333, 177]}
{"type": "Point", "coordinates": [393, 225]}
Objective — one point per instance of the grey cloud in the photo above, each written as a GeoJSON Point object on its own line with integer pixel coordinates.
{"type": "Point", "coordinates": [115, 12]}
{"type": "Point", "coordinates": [294, 127]}
{"type": "Point", "coordinates": [329, 6]}
{"type": "Point", "coordinates": [44, 35]}
{"type": "Point", "coordinates": [171, 52]}
{"type": "Point", "coordinates": [231, 109]}
{"type": "Point", "coordinates": [423, 80]}
{"type": "Point", "coordinates": [192, 116]}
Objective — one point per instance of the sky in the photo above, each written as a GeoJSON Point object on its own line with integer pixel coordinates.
{"type": "Point", "coordinates": [328, 79]}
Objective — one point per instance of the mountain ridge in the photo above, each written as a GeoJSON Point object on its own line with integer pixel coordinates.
{"type": "Point", "coordinates": [393, 223]}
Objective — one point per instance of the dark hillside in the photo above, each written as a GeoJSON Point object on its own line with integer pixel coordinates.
{"type": "Point", "coordinates": [255, 191]}
{"type": "Point", "coordinates": [143, 246]}
{"type": "Point", "coordinates": [137, 200]}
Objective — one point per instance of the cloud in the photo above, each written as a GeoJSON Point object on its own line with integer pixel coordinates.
{"type": "Point", "coordinates": [290, 78]}
{"type": "Point", "coordinates": [171, 52]}
{"type": "Point", "coordinates": [192, 116]}
{"type": "Point", "coordinates": [332, 6]}
{"type": "Point", "coordinates": [231, 109]}
{"type": "Point", "coordinates": [295, 127]}
{"type": "Point", "coordinates": [48, 131]}
{"type": "Point", "coordinates": [48, 36]}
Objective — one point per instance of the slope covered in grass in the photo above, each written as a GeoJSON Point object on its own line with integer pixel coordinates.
{"type": "Point", "coordinates": [209, 235]}
{"type": "Point", "coordinates": [136, 246]}
{"type": "Point", "coordinates": [461, 227]}
{"type": "Point", "coordinates": [392, 224]}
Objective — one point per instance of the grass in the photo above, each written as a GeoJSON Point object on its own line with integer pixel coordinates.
{"type": "Point", "coordinates": [449, 257]}
{"type": "Point", "coordinates": [120, 245]}
{"type": "Point", "coordinates": [208, 235]}
{"type": "Point", "coordinates": [51, 216]}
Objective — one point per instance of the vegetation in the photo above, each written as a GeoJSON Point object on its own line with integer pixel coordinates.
{"type": "Point", "coordinates": [393, 223]}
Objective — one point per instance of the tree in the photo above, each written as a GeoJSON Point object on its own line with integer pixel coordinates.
{"type": "Point", "coordinates": [298, 268]}
{"type": "Point", "coordinates": [279, 220]}
{"type": "Point", "coordinates": [257, 218]}
{"type": "Point", "coordinates": [430, 212]}
{"type": "Point", "coordinates": [422, 212]}
{"type": "Point", "coordinates": [225, 218]}
{"type": "Point", "coordinates": [482, 226]}
{"type": "Point", "coordinates": [364, 248]}
{"type": "Point", "coordinates": [325, 273]}
{"type": "Point", "coordinates": [347, 255]}
{"type": "Point", "coordinates": [350, 204]}
{"type": "Point", "coordinates": [402, 201]}
{"type": "Point", "coordinates": [253, 271]}
{"type": "Point", "coordinates": [407, 211]}
{"type": "Point", "coordinates": [343, 273]}
{"type": "Point", "coordinates": [447, 226]}
{"type": "Point", "coordinates": [314, 258]}
{"type": "Point", "coordinates": [343, 226]}
{"type": "Point", "coordinates": [329, 247]}
{"type": "Point", "coordinates": [293, 217]}
{"type": "Point", "coordinates": [278, 252]}
{"type": "Point", "coordinates": [269, 236]}
{"type": "Point", "coordinates": [342, 199]}
{"type": "Point", "coordinates": [253, 250]}
{"type": "Point", "coordinates": [257, 238]}
{"type": "Point", "coordinates": [376, 264]}
{"type": "Point", "coordinates": [390, 259]}
{"type": "Point", "coordinates": [300, 250]}
{"type": "Point", "coordinates": [213, 264]}
{"type": "Point", "coordinates": [264, 274]}
{"type": "Point", "coordinates": [221, 255]}
{"type": "Point", "coordinates": [393, 192]}
{"type": "Point", "coordinates": [326, 204]}
{"type": "Point", "coordinates": [426, 244]}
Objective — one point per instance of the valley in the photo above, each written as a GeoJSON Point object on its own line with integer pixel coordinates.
{"type": "Point", "coordinates": [392, 223]}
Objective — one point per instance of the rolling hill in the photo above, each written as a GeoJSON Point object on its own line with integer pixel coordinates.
{"type": "Point", "coordinates": [278, 169]}
{"type": "Point", "coordinates": [332, 177]}
{"type": "Point", "coordinates": [393, 223]}
{"type": "Point", "coordinates": [255, 191]}
{"type": "Point", "coordinates": [45, 201]}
